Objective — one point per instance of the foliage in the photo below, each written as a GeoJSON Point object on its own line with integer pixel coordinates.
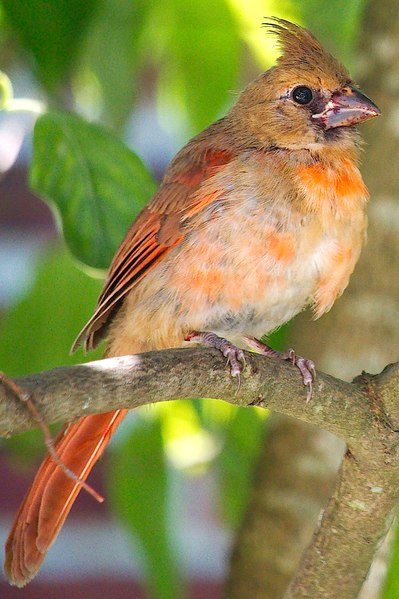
{"type": "Point", "coordinates": [48, 317]}
{"type": "Point", "coordinates": [102, 58]}
{"type": "Point", "coordinates": [96, 196]}
{"type": "Point", "coordinates": [204, 30]}
{"type": "Point", "coordinates": [139, 493]}
{"type": "Point", "coordinates": [50, 31]}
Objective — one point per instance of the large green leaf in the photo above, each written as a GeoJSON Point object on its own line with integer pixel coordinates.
{"type": "Point", "coordinates": [137, 478]}
{"type": "Point", "coordinates": [201, 59]}
{"type": "Point", "coordinates": [93, 180]}
{"type": "Point", "coordinates": [51, 31]}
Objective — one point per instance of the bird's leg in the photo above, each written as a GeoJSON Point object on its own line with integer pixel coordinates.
{"type": "Point", "coordinates": [235, 355]}
{"type": "Point", "coordinates": [306, 367]}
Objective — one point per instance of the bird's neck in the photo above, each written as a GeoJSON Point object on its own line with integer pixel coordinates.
{"type": "Point", "coordinates": [329, 181]}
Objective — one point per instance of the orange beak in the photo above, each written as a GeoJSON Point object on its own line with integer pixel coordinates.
{"type": "Point", "coordinates": [347, 106]}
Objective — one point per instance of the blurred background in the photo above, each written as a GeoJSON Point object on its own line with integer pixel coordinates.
{"type": "Point", "coordinates": [177, 478]}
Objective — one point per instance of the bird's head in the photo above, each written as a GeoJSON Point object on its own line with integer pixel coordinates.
{"type": "Point", "coordinates": [307, 100]}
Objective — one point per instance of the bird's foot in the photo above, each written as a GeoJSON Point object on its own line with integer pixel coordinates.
{"type": "Point", "coordinates": [307, 367]}
{"type": "Point", "coordinates": [235, 355]}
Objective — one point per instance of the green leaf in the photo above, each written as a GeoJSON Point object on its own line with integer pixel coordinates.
{"type": "Point", "coordinates": [51, 31]}
{"type": "Point", "coordinates": [236, 461]}
{"type": "Point", "coordinates": [95, 182]}
{"type": "Point", "coordinates": [137, 480]}
{"type": "Point", "coordinates": [201, 60]}
{"type": "Point", "coordinates": [37, 333]}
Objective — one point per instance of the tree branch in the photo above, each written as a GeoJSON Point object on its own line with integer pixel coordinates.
{"type": "Point", "coordinates": [339, 556]}
{"type": "Point", "coordinates": [67, 393]}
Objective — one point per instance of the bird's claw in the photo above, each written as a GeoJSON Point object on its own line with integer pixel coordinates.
{"type": "Point", "coordinates": [235, 356]}
{"type": "Point", "coordinates": [308, 372]}
{"type": "Point", "coordinates": [306, 367]}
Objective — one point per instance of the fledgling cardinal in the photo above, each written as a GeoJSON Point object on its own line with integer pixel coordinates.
{"type": "Point", "coordinates": [257, 217]}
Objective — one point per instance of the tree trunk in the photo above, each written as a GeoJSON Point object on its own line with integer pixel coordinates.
{"type": "Point", "coordinates": [361, 332]}
{"type": "Point", "coordinates": [295, 475]}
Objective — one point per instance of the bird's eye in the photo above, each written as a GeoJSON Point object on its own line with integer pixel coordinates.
{"type": "Point", "coordinates": [302, 95]}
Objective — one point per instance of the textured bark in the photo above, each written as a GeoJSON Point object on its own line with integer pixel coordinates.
{"type": "Point", "coordinates": [361, 413]}
{"type": "Point", "coordinates": [67, 393]}
{"type": "Point", "coordinates": [294, 477]}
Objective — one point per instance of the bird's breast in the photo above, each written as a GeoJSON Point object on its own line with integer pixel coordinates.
{"type": "Point", "coordinates": [256, 260]}
{"type": "Point", "coordinates": [334, 192]}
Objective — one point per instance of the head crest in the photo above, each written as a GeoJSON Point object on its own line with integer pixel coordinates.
{"type": "Point", "coordinates": [302, 51]}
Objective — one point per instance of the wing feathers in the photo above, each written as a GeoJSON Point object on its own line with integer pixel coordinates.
{"type": "Point", "coordinates": [159, 228]}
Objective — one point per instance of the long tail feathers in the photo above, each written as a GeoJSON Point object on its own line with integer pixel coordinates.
{"type": "Point", "coordinates": [51, 496]}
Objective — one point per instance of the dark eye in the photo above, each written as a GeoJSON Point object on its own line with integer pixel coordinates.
{"type": "Point", "coordinates": [302, 95]}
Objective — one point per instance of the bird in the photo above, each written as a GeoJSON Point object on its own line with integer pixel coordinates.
{"type": "Point", "coordinates": [259, 216]}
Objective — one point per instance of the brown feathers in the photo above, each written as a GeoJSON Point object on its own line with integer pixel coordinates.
{"type": "Point", "coordinates": [303, 52]}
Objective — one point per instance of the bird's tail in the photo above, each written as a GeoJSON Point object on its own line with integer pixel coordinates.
{"type": "Point", "coordinates": [51, 496]}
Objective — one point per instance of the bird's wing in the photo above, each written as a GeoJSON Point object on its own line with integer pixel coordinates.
{"type": "Point", "coordinates": [157, 230]}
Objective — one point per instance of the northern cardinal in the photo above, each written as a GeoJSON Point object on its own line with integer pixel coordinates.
{"type": "Point", "coordinates": [257, 217]}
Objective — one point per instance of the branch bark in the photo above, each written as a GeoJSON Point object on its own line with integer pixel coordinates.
{"type": "Point", "coordinates": [361, 413]}
{"type": "Point", "coordinates": [67, 393]}
{"type": "Point", "coordinates": [294, 478]}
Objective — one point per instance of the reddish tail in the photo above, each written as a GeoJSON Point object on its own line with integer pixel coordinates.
{"type": "Point", "coordinates": [51, 496]}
